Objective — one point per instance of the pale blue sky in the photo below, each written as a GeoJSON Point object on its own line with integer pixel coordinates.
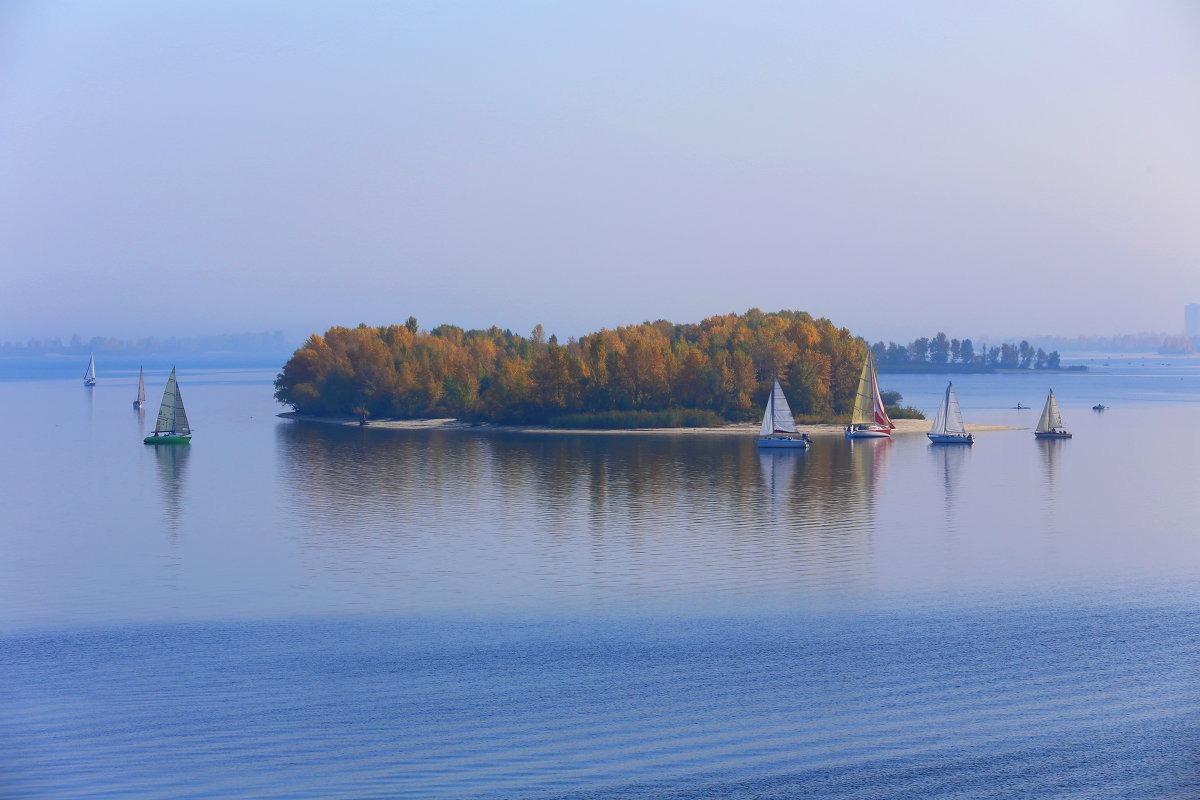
{"type": "Point", "coordinates": [980, 168]}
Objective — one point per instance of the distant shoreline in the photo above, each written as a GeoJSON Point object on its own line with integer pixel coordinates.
{"type": "Point", "coordinates": [747, 429]}
{"type": "Point", "coordinates": [968, 369]}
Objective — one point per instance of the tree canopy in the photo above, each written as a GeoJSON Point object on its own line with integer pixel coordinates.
{"type": "Point", "coordinates": [724, 364]}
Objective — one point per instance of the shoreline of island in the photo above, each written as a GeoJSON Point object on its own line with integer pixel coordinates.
{"type": "Point", "coordinates": [903, 427]}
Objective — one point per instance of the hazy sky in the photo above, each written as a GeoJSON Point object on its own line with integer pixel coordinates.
{"type": "Point", "coordinates": [984, 168]}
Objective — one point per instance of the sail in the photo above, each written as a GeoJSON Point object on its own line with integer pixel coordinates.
{"type": "Point", "coordinates": [1051, 417]}
{"type": "Point", "coordinates": [181, 421]}
{"type": "Point", "coordinates": [881, 417]}
{"type": "Point", "coordinates": [939, 420]}
{"type": "Point", "coordinates": [954, 416]}
{"type": "Point", "coordinates": [166, 411]}
{"type": "Point", "coordinates": [768, 423]}
{"type": "Point", "coordinates": [90, 375]}
{"type": "Point", "coordinates": [782, 412]}
{"type": "Point", "coordinates": [778, 416]}
{"type": "Point", "coordinates": [864, 400]}
{"type": "Point", "coordinates": [141, 396]}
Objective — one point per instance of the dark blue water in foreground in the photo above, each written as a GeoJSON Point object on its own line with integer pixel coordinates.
{"type": "Point", "coordinates": [300, 611]}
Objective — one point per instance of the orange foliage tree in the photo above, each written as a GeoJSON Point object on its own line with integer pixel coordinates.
{"type": "Point", "coordinates": [724, 364]}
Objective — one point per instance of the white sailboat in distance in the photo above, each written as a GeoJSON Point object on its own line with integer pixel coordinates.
{"type": "Point", "coordinates": [89, 377]}
{"type": "Point", "coordinates": [141, 395]}
{"type": "Point", "coordinates": [778, 426]}
{"type": "Point", "coordinates": [1050, 424]}
{"type": "Point", "coordinates": [869, 420]}
{"type": "Point", "coordinates": [948, 426]}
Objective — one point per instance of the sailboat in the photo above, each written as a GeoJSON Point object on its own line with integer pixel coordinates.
{"type": "Point", "coordinates": [869, 420]}
{"type": "Point", "coordinates": [948, 426]}
{"type": "Point", "coordinates": [141, 395]}
{"type": "Point", "coordinates": [89, 377]}
{"type": "Point", "coordinates": [778, 426]}
{"type": "Point", "coordinates": [172, 425]}
{"type": "Point", "coordinates": [1050, 424]}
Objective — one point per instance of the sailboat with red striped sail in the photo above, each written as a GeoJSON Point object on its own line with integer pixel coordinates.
{"type": "Point", "coordinates": [869, 420]}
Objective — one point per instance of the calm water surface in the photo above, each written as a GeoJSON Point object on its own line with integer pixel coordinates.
{"type": "Point", "coordinates": [307, 611]}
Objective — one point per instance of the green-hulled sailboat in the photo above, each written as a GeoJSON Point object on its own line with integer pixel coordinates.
{"type": "Point", "coordinates": [172, 425]}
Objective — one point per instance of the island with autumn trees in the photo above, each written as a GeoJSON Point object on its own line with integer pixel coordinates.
{"type": "Point", "coordinates": [656, 374]}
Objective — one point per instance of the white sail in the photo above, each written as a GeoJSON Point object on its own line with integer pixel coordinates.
{"type": "Point", "coordinates": [90, 375]}
{"type": "Point", "coordinates": [949, 419]}
{"type": "Point", "coordinates": [141, 395]}
{"type": "Point", "coordinates": [782, 416]}
{"type": "Point", "coordinates": [768, 423]}
{"type": "Point", "coordinates": [166, 411]}
{"type": "Point", "coordinates": [181, 421]}
{"type": "Point", "coordinates": [954, 418]}
{"type": "Point", "coordinates": [778, 416]}
{"type": "Point", "coordinates": [939, 419]}
{"type": "Point", "coordinates": [1051, 417]}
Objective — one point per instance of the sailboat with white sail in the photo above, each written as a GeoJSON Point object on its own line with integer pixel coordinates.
{"type": "Point", "coordinates": [1050, 424]}
{"type": "Point", "coordinates": [172, 424]}
{"type": "Point", "coordinates": [89, 377]}
{"type": "Point", "coordinates": [141, 395]}
{"type": "Point", "coordinates": [869, 420]}
{"type": "Point", "coordinates": [948, 426]}
{"type": "Point", "coordinates": [778, 426]}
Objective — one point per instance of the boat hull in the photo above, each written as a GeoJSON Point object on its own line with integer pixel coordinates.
{"type": "Point", "coordinates": [1051, 435]}
{"type": "Point", "coordinates": [167, 439]}
{"type": "Point", "coordinates": [951, 438]}
{"type": "Point", "coordinates": [782, 441]}
{"type": "Point", "coordinates": [868, 433]}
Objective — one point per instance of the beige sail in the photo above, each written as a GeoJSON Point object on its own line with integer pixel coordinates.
{"type": "Point", "coordinates": [1051, 418]}
{"type": "Point", "coordinates": [864, 398]}
{"type": "Point", "coordinates": [868, 405]}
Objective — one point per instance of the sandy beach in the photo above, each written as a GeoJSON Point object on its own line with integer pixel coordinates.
{"type": "Point", "coordinates": [903, 427]}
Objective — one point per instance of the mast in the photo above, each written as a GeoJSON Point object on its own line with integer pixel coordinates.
{"type": "Point", "coordinates": [141, 395]}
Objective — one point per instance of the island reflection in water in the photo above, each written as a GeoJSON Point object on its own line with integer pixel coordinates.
{"type": "Point", "coordinates": [620, 519]}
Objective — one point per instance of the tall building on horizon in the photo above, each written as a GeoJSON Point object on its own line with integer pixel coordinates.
{"type": "Point", "coordinates": [1191, 320]}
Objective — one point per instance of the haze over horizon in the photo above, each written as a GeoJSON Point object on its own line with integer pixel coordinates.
{"type": "Point", "coordinates": [180, 169]}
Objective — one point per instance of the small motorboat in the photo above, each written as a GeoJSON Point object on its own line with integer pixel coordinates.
{"type": "Point", "coordinates": [1099, 407]}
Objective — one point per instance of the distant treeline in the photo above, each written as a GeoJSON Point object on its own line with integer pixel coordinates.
{"type": "Point", "coordinates": [263, 342]}
{"type": "Point", "coordinates": [941, 353]}
{"type": "Point", "coordinates": [723, 365]}
{"type": "Point", "coordinates": [1179, 345]}
{"type": "Point", "coordinates": [1121, 343]}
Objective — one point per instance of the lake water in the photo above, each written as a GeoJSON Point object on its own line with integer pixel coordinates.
{"type": "Point", "coordinates": [293, 610]}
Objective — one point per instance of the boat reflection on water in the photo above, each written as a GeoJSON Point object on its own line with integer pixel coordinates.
{"type": "Point", "coordinates": [171, 466]}
{"type": "Point", "coordinates": [950, 462]}
{"type": "Point", "coordinates": [778, 470]}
